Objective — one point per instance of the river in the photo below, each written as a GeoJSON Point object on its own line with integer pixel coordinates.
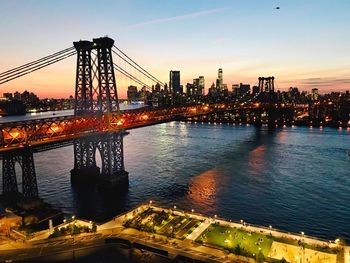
{"type": "Point", "coordinates": [294, 178]}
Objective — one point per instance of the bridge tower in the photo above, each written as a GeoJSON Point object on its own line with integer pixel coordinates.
{"type": "Point", "coordinates": [96, 94]}
{"type": "Point", "coordinates": [268, 98]}
{"type": "Point", "coordinates": [267, 84]}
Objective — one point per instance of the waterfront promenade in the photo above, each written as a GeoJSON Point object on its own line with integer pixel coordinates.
{"type": "Point", "coordinates": [39, 245]}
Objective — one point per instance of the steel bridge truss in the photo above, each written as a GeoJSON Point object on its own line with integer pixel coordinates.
{"type": "Point", "coordinates": [38, 133]}
{"type": "Point", "coordinates": [29, 183]}
{"type": "Point", "coordinates": [110, 147]}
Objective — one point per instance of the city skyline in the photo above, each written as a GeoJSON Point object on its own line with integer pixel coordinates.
{"type": "Point", "coordinates": [175, 131]}
{"type": "Point", "coordinates": [301, 44]}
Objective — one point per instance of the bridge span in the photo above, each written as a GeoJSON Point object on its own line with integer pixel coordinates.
{"type": "Point", "coordinates": [97, 123]}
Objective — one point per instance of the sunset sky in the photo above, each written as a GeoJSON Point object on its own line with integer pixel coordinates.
{"type": "Point", "coordinates": [304, 43]}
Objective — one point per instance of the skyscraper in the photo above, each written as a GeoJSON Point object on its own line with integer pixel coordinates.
{"type": "Point", "coordinates": [220, 79]}
{"type": "Point", "coordinates": [174, 82]}
{"type": "Point", "coordinates": [201, 85]}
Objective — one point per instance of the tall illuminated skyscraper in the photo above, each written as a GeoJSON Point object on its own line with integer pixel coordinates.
{"type": "Point", "coordinates": [201, 85]}
{"type": "Point", "coordinates": [220, 79]}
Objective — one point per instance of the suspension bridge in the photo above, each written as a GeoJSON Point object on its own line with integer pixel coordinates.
{"type": "Point", "coordinates": [97, 124]}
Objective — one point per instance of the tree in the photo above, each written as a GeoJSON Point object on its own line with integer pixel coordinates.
{"type": "Point", "coordinates": [238, 250]}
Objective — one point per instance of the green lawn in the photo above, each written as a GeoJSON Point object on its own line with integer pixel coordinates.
{"type": "Point", "coordinates": [250, 244]}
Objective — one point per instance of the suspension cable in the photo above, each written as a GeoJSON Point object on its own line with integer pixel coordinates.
{"type": "Point", "coordinates": [145, 71]}
{"type": "Point", "coordinates": [154, 80]}
{"type": "Point", "coordinates": [45, 64]}
{"type": "Point", "coordinates": [31, 68]}
{"type": "Point", "coordinates": [36, 61]}
{"type": "Point", "coordinates": [127, 74]}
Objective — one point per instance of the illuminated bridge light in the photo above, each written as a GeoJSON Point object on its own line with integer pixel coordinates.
{"type": "Point", "coordinates": [14, 134]}
{"type": "Point", "coordinates": [56, 128]}
{"type": "Point", "coordinates": [120, 122]}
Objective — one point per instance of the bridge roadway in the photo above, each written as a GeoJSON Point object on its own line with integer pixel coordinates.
{"type": "Point", "coordinates": [48, 133]}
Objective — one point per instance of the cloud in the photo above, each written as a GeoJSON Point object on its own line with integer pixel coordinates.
{"type": "Point", "coordinates": [178, 18]}
{"type": "Point", "coordinates": [324, 81]}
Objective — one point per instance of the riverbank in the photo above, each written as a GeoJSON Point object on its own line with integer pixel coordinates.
{"type": "Point", "coordinates": [171, 233]}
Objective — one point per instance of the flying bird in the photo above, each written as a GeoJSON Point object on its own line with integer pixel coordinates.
{"type": "Point", "coordinates": [277, 7]}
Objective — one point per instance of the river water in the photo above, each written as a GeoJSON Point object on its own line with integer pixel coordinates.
{"type": "Point", "coordinates": [295, 179]}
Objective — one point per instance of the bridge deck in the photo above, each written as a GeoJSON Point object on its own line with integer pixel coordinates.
{"type": "Point", "coordinates": [48, 133]}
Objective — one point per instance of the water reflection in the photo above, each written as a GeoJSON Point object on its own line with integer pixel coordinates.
{"type": "Point", "coordinates": [256, 159]}
{"type": "Point", "coordinates": [203, 188]}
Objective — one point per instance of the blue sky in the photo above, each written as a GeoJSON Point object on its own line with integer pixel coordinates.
{"type": "Point", "coordinates": [304, 43]}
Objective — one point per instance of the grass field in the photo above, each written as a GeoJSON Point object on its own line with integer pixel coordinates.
{"type": "Point", "coordinates": [236, 240]}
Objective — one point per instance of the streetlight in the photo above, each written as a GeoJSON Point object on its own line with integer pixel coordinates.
{"type": "Point", "coordinates": [192, 210]}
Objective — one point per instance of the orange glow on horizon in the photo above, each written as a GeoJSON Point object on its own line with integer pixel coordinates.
{"type": "Point", "coordinates": [58, 81]}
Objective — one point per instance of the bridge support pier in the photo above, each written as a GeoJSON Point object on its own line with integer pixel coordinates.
{"type": "Point", "coordinates": [85, 170]}
{"type": "Point", "coordinates": [29, 183]}
{"type": "Point", "coordinates": [272, 116]}
{"type": "Point", "coordinates": [9, 180]}
{"type": "Point", "coordinates": [112, 173]}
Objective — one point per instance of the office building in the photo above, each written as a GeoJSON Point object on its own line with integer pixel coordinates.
{"type": "Point", "coordinates": [174, 82]}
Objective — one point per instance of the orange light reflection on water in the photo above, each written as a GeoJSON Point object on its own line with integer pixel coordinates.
{"type": "Point", "coordinates": [204, 187]}
{"type": "Point", "coordinates": [256, 159]}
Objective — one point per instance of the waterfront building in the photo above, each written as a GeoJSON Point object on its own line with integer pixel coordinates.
{"type": "Point", "coordinates": [255, 90]}
{"type": "Point", "coordinates": [8, 95]}
{"type": "Point", "coordinates": [157, 88]}
{"type": "Point", "coordinates": [132, 93]}
{"type": "Point", "coordinates": [314, 94]}
{"type": "Point", "coordinates": [244, 89]}
{"type": "Point", "coordinates": [197, 88]}
{"type": "Point", "coordinates": [239, 90]}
